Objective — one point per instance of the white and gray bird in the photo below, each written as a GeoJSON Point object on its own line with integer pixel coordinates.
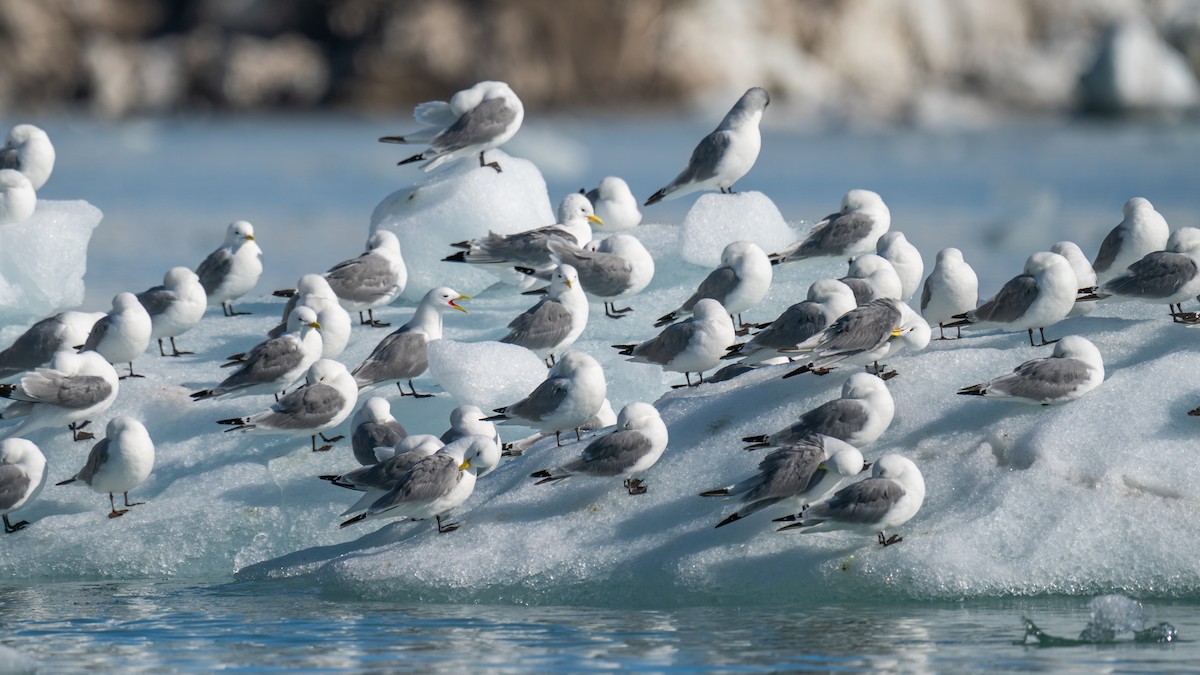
{"type": "Point", "coordinates": [175, 307]}
{"type": "Point", "coordinates": [373, 279]}
{"type": "Point", "coordinates": [871, 277]}
{"type": "Point", "coordinates": [952, 288]}
{"type": "Point", "coordinates": [724, 156]}
{"type": "Point", "coordinates": [22, 475]}
{"type": "Point", "coordinates": [377, 479]}
{"type": "Point", "coordinates": [859, 417]}
{"type": "Point", "coordinates": [404, 353]}
{"type": "Point", "coordinates": [888, 499]}
{"type": "Point", "coordinates": [794, 476]}
{"type": "Point", "coordinates": [1041, 296]}
{"type": "Point", "coordinates": [273, 364]}
{"type": "Point", "coordinates": [637, 442]}
{"type": "Point", "coordinates": [373, 427]}
{"type": "Point", "coordinates": [28, 149]}
{"type": "Point", "coordinates": [905, 258]}
{"type": "Point", "coordinates": [691, 346]}
{"type": "Point", "coordinates": [1074, 369]}
{"type": "Point", "coordinates": [615, 204]}
{"type": "Point", "coordinates": [469, 420]}
{"type": "Point", "coordinates": [1085, 276]}
{"type": "Point", "coordinates": [38, 344]}
{"type": "Point", "coordinates": [556, 321]}
{"type": "Point", "coordinates": [1164, 277]}
{"type": "Point", "coordinates": [434, 485]}
{"type": "Point", "coordinates": [18, 200]}
{"type": "Point", "coordinates": [612, 269]}
{"type": "Point", "coordinates": [75, 387]}
{"type": "Point", "coordinates": [1142, 231]}
{"type": "Point", "coordinates": [828, 300]}
{"type": "Point", "coordinates": [475, 120]}
{"type": "Point", "coordinates": [119, 462]}
{"type": "Point", "coordinates": [863, 336]}
{"type": "Point", "coordinates": [325, 400]}
{"type": "Point", "coordinates": [573, 391]}
{"type": "Point", "coordinates": [123, 334]}
{"type": "Point", "coordinates": [739, 283]}
{"type": "Point", "coordinates": [313, 291]}
{"type": "Point", "coordinates": [853, 230]}
{"type": "Point", "coordinates": [233, 269]}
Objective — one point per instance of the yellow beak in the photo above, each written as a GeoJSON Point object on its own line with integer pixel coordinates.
{"type": "Point", "coordinates": [569, 284]}
{"type": "Point", "coordinates": [461, 297]}
{"type": "Point", "coordinates": [315, 324]}
{"type": "Point", "coordinates": [465, 465]}
{"type": "Point", "coordinates": [249, 237]}
{"type": "Point", "coordinates": [595, 219]}
{"type": "Point", "coordinates": [897, 332]}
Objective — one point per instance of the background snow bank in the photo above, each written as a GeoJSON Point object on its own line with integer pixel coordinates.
{"type": "Point", "coordinates": [43, 259]}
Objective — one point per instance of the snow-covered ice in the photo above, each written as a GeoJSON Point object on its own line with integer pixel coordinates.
{"type": "Point", "coordinates": [43, 259]}
{"type": "Point", "coordinates": [716, 220]}
{"type": "Point", "coordinates": [486, 374]}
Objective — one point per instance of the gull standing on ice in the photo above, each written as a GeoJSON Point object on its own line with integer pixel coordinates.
{"type": "Point", "coordinates": [123, 334]}
{"type": "Point", "coordinates": [38, 344]}
{"type": "Point", "coordinates": [28, 149]}
{"type": "Point", "coordinates": [325, 400]}
{"type": "Point", "coordinates": [274, 364]}
{"type": "Point", "coordinates": [313, 291]}
{"type": "Point", "coordinates": [636, 443]}
{"type": "Point", "coordinates": [906, 260]}
{"type": "Point", "coordinates": [121, 461]}
{"type": "Point", "coordinates": [500, 252]}
{"type": "Point", "coordinates": [373, 427]}
{"type": "Point", "coordinates": [1074, 369]}
{"type": "Point", "coordinates": [232, 270]}
{"type": "Point", "coordinates": [740, 282]}
{"type": "Point", "coordinates": [614, 204]}
{"type": "Point", "coordinates": [377, 479]}
{"type": "Point", "coordinates": [863, 336]}
{"type": "Point", "coordinates": [1141, 232]}
{"type": "Point", "coordinates": [22, 474]}
{"type": "Point", "coordinates": [871, 277]}
{"type": "Point", "coordinates": [725, 155]}
{"type": "Point", "coordinates": [1085, 276]}
{"type": "Point", "coordinates": [373, 279]}
{"type": "Point", "coordinates": [434, 485]}
{"type": "Point", "coordinates": [556, 321]}
{"type": "Point", "coordinates": [828, 300]}
{"type": "Point", "coordinates": [475, 120]}
{"type": "Point", "coordinates": [888, 499]}
{"type": "Point", "coordinates": [18, 200]}
{"type": "Point", "coordinates": [859, 417]}
{"type": "Point", "coordinates": [616, 268]}
{"type": "Point", "coordinates": [75, 387]}
{"type": "Point", "coordinates": [794, 476]}
{"type": "Point", "coordinates": [692, 346]}
{"type": "Point", "coordinates": [1163, 277]}
{"type": "Point", "coordinates": [404, 353]}
{"type": "Point", "coordinates": [174, 307]}
{"type": "Point", "coordinates": [952, 288]}
{"type": "Point", "coordinates": [854, 230]}
{"type": "Point", "coordinates": [1040, 297]}
{"type": "Point", "coordinates": [571, 394]}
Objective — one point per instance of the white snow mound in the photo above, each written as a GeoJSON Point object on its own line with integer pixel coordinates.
{"type": "Point", "coordinates": [717, 220]}
{"type": "Point", "coordinates": [43, 259]}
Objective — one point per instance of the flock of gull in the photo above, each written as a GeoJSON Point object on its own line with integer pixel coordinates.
{"type": "Point", "coordinates": [62, 372]}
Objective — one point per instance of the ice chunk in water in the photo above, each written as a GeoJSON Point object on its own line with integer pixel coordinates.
{"type": "Point", "coordinates": [462, 202]}
{"type": "Point", "coordinates": [1113, 615]}
{"type": "Point", "coordinates": [486, 374]}
{"type": "Point", "coordinates": [43, 259]}
{"type": "Point", "coordinates": [717, 220]}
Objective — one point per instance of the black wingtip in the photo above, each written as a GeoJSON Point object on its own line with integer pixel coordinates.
{"type": "Point", "coordinates": [392, 139]}
{"type": "Point", "coordinates": [410, 160]}
{"type": "Point", "coordinates": [656, 197]}
{"type": "Point", "coordinates": [790, 527]}
{"type": "Point", "coordinates": [232, 420]}
{"type": "Point", "coordinates": [356, 519]}
{"type": "Point", "coordinates": [757, 446]}
{"type": "Point", "coordinates": [720, 492]}
{"type": "Point", "coordinates": [799, 371]}
{"type": "Point", "coordinates": [973, 390]}
{"type": "Point", "coordinates": [284, 293]}
{"type": "Point", "coordinates": [495, 418]}
{"type": "Point", "coordinates": [544, 473]}
{"type": "Point", "coordinates": [624, 350]}
{"type": "Point", "coordinates": [461, 257]}
{"type": "Point", "coordinates": [67, 481]}
{"type": "Point", "coordinates": [202, 394]}
{"type": "Point", "coordinates": [732, 517]}
{"type": "Point", "coordinates": [664, 320]}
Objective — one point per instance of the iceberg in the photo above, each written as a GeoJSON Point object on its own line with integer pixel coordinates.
{"type": "Point", "coordinates": [43, 260]}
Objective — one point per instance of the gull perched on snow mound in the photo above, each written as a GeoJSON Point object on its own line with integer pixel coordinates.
{"type": "Point", "coordinates": [75, 387]}
{"type": "Point", "coordinates": [28, 149]}
{"type": "Point", "coordinates": [121, 461]}
{"type": "Point", "coordinates": [325, 401]}
{"type": "Point", "coordinates": [859, 417]}
{"type": "Point", "coordinates": [404, 353]}
{"type": "Point", "coordinates": [740, 282]}
{"type": "Point", "coordinates": [1142, 231]}
{"type": "Point", "coordinates": [614, 204]}
{"type": "Point", "coordinates": [573, 391]}
{"type": "Point", "coordinates": [853, 230]}
{"type": "Point", "coordinates": [691, 346]}
{"type": "Point", "coordinates": [634, 446]}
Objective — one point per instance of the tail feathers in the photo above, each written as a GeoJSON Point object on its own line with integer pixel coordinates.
{"type": "Point", "coordinates": [974, 390]}
{"type": "Point", "coordinates": [719, 492]}
{"type": "Point", "coordinates": [285, 293]}
{"type": "Point", "coordinates": [656, 197]}
{"type": "Point", "coordinates": [68, 481]}
{"type": "Point", "coordinates": [356, 519]}
{"type": "Point", "coordinates": [732, 517]}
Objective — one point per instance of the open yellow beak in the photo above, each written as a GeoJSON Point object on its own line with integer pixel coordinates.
{"type": "Point", "coordinates": [595, 219]}
{"type": "Point", "coordinates": [461, 297]}
{"type": "Point", "coordinates": [465, 465]}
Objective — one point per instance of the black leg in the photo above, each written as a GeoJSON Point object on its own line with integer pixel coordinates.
{"type": "Point", "coordinates": [448, 527]}
{"type": "Point", "coordinates": [133, 504]}
{"type": "Point", "coordinates": [414, 393]}
{"type": "Point", "coordinates": [9, 528]}
{"type": "Point", "coordinates": [635, 486]}
{"type": "Point", "coordinates": [1031, 344]}
{"type": "Point", "coordinates": [175, 350]}
{"type": "Point", "coordinates": [115, 513]}
{"type": "Point", "coordinates": [323, 448]}
{"type": "Point", "coordinates": [557, 439]}
{"type": "Point", "coordinates": [76, 431]}
{"type": "Point", "coordinates": [131, 373]}
{"type": "Point", "coordinates": [160, 348]}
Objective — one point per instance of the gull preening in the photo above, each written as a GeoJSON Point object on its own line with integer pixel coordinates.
{"type": "Point", "coordinates": [614, 204]}
{"type": "Point", "coordinates": [477, 119]}
{"type": "Point", "coordinates": [75, 387]}
{"type": "Point", "coordinates": [859, 417]}
{"type": "Point", "coordinates": [905, 259]}
{"type": "Point", "coordinates": [724, 156]}
{"type": "Point", "coordinates": [853, 230]}
{"type": "Point", "coordinates": [325, 400]}
{"type": "Point", "coordinates": [556, 321]}
{"type": "Point", "coordinates": [828, 300]}
{"type": "Point", "coordinates": [123, 334]}
{"type": "Point", "coordinates": [233, 269]}
{"type": "Point", "coordinates": [18, 200]}
{"type": "Point", "coordinates": [634, 446]}
{"type": "Point", "coordinates": [28, 149]}
{"type": "Point", "coordinates": [888, 499]}
{"type": "Point", "coordinates": [1085, 276]}
{"type": "Point", "coordinates": [373, 279]}
{"type": "Point", "coordinates": [469, 420]}
{"type": "Point", "coordinates": [274, 364]}
{"type": "Point", "coordinates": [1142, 231]}
{"type": "Point", "coordinates": [38, 344]}
{"type": "Point", "coordinates": [740, 282]}
{"type": "Point", "coordinates": [871, 277]}
{"type": "Point", "coordinates": [612, 269]}
{"type": "Point", "coordinates": [863, 336]}
{"type": "Point", "coordinates": [691, 346]}
{"type": "Point", "coordinates": [174, 307]}
{"type": "Point", "coordinates": [404, 353]}
{"type": "Point", "coordinates": [1074, 369]}
{"type": "Point", "coordinates": [374, 426]}
{"type": "Point", "coordinates": [573, 391]}
{"type": "Point", "coordinates": [22, 475]}
{"type": "Point", "coordinates": [1041, 296]}
{"type": "Point", "coordinates": [313, 291]}
{"type": "Point", "coordinates": [118, 463]}
{"type": "Point", "coordinates": [952, 288]}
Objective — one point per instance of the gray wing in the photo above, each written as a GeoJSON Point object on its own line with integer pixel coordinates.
{"type": "Point", "coordinates": [861, 329]}
{"type": "Point", "coordinates": [97, 458]}
{"type": "Point", "coordinates": [593, 195]}
{"type": "Point", "coordinates": [1157, 275]}
{"type": "Point", "coordinates": [797, 323]}
{"type": "Point", "coordinates": [837, 236]}
{"type": "Point", "coordinates": [1109, 248]}
{"type": "Point", "coordinates": [434, 476]}
{"type": "Point", "coordinates": [717, 285]}
{"type": "Point", "coordinates": [839, 418]}
{"type": "Point", "coordinates": [787, 471]}
{"type": "Point", "coordinates": [477, 126]}
{"type": "Point", "coordinates": [156, 300]}
{"type": "Point", "coordinates": [705, 158]}
{"type": "Point", "coordinates": [33, 348]}
{"type": "Point", "coordinates": [668, 344]}
{"type": "Point", "coordinates": [386, 474]}
{"type": "Point", "coordinates": [545, 325]}
{"type": "Point", "coordinates": [601, 274]}
{"type": "Point", "coordinates": [99, 330]}
{"type": "Point", "coordinates": [267, 362]}
{"type": "Point", "coordinates": [74, 391]}
{"type": "Point", "coordinates": [523, 247]}
{"type": "Point", "coordinates": [1010, 303]}
{"type": "Point", "coordinates": [612, 454]}
{"type": "Point", "coordinates": [1043, 379]}
{"type": "Point", "coordinates": [308, 407]}
{"type": "Point", "coordinates": [926, 293]}
{"type": "Point", "coordinates": [543, 401]}
{"type": "Point", "coordinates": [860, 287]}
{"type": "Point", "coordinates": [371, 435]}
{"type": "Point", "coordinates": [399, 356]}
{"type": "Point", "coordinates": [14, 483]}
{"type": "Point", "coordinates": [361, 279]}
{"type": "Point", "coordinates": [214, 269]}
{"type": "Point", "coordinates": [862, 503]}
